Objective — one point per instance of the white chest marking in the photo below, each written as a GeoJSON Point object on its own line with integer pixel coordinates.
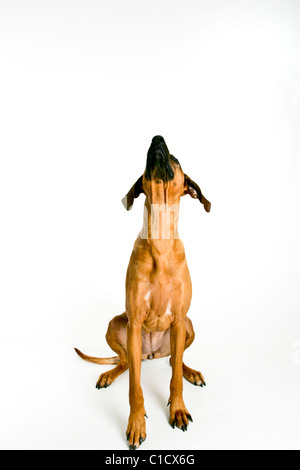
{"type": "Point", "coordinates": [147, 298]}
{"type": "Point", "coordinates": [168, 311]}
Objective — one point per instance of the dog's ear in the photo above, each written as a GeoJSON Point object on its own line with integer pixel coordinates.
{"type": "Point", "coordinates": [133, 193]}
{"type": "Point", "coordinates": [191, 188]}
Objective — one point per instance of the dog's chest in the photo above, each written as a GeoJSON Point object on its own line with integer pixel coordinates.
{"type": "Point", "coordinates": [159, 307]}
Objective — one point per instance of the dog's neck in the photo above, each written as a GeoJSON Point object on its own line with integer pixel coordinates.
{"type": "Point", "coordinates": [160, 225]}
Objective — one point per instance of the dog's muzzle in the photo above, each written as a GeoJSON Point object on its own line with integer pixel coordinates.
{"type": "Point", "coordinates": [158, 161]}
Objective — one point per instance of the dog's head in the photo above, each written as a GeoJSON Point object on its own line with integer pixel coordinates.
{"type": "Point", "coordinates": [158, 164]}
{"type": "Point", "coordinates": [163, 180]}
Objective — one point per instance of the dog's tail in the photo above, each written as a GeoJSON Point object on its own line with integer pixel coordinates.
{"type": "Point", "coordinates": [98, 360]}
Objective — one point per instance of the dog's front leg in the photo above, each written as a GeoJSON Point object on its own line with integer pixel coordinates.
{"type": "Point", "coordinates": [179, 415]}
{"type": "Point", "coordinates": [136, 430]}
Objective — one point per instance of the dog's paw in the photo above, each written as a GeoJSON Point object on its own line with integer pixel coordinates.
{"type": "Point", "coordinates": [136, 430]}
{"type": "Point", "coordinates": [179, 416]}
{"type": "Point", "coordinates": [105, 380]}
{"type": "Point", "coordinates": [194, 377]}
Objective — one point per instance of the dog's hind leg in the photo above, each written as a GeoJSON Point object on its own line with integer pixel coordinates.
{"type": "Point", "coordinates": [193, 376]}
{"type": "Point", "coordinates": [116, 338]}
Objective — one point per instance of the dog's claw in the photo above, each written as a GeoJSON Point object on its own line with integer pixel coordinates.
{"type": "Point", "coordinates": [203, 384]}
{"type": "Point", "coordinates": [131, 447]}
{"type": "Point", "coordinates": [98, 387]}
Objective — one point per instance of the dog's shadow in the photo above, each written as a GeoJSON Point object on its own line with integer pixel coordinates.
{"type": "Point", "coordinates": [156, 382]}
{"type": "Point", "coordinates": [115, 401]}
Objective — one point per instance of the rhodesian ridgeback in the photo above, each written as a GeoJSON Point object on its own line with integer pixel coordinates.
{"type": "Point", "coordinates": [158, 293]}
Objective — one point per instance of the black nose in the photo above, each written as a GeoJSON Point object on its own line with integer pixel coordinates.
{"type": "Point", "coordinates": [158, 139]}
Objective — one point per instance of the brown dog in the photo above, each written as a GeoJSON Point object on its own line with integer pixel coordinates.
{"type": "Point", "coordinates": [158, 293]}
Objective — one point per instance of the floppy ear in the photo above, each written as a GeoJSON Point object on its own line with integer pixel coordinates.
{"type": "Point", "coordinates": [133, 193]}
{"type": "Point", "coordinates": [194, 191]}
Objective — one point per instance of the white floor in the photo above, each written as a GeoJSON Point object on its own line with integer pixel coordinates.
{"type": "Point", "coordinates": [49, 399]}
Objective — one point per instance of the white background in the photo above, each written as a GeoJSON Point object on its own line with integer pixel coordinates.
{"type": "Point", "coordinates": [85, 85]}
